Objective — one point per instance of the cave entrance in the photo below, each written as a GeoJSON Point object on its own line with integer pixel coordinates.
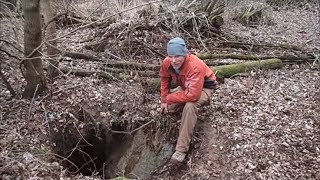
{"type": "Point", "coordinates": [88, 147]}
{"type": "Point", "coordinates": [84, 146]}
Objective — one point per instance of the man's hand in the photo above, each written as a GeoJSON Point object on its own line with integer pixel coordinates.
{"type": "Point", "coordinates": [164, 108]}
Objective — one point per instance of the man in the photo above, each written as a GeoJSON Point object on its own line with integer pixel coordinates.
{"type": "Point", "coordinates": [195, 81]}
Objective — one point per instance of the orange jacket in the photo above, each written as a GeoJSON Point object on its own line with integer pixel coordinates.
{"type": "Point", "coordinates": [194, 75]}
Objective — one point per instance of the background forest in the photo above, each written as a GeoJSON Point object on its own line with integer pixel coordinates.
{"type": "Point", "coordinates": [80, 97]}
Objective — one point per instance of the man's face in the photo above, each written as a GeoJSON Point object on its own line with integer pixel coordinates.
{"type": "Point", "coordinates": [176, 61]}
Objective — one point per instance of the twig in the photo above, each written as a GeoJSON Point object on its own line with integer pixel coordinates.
{"type": "Point", "coordinates": [80, 132]}
{"type": "Point", "coordinates": [60, 90]}
{"type": "Point", "coordinates": [73, 149]}
{"type": "Point", "coordinates": [51, 20]}
{"type": "Point", "coordinates": [7, 3]}
{"type": "Point", "coordinates": [266, 45]}
{"type": "Point", "coordinates": [150, 48]}
{"type": "Point", "coordinates": [4, 79]}
{"type": "Point", "coordinates": [12, 45]}
{"type": "Point", "coordinates": [91, 160]}
{"type": "Point", "coordinates": [34, 94]}
{"type": "Point", "coordinates": [131, 132]}
{"type": "Point", "coordinates": [90, 24]}
{"type": "Point", "coordinates": [10, 55]}
{"type": "Point", "coordinates": [197, 32]}
{"type": "Point", "coordinates": [103, 174]}
{"type": "Point", "coordinates": [46, 121]}
{"type": "Point", "coordinates": [62, 159]}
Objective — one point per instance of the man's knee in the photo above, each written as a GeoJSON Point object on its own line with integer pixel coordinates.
{"type": "Point", "coordinates": [190, 106]}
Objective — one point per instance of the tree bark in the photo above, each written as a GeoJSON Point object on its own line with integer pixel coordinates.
{"type": "Point", "coordinates": [50, 35]}
{"type": "Point", "coordinates": [34, 74]}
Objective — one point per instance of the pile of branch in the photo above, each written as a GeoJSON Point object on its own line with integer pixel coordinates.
{"type": "Point", "coordinates": [124, 36]}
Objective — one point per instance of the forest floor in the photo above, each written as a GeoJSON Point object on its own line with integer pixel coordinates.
{"type": "Point", "coordinates": [260, 125]}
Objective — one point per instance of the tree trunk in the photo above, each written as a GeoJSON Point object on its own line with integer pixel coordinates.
{"type": "Point", "coordinates": [225, 71]}
{"type": "Point", "coordinates": [34, 74]}
{"type": "Point", "coordinates": [50, 34]}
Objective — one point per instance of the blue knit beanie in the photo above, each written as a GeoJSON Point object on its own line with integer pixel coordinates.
{"type": "Point", "coordinates": [176, 47]}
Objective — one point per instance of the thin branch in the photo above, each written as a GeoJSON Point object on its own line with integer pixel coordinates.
{"type": "Point", "coordinates": [62, 158]}
{"type": "Point", "coordinates": [14, 46]}
{"type": "Point", "coordinates": [90, 24]}
{"type": "Point", "coordinates": [60, 90]}
{"type": "Point", "coordinates": [51, 20]}
{"type": "Point", "coordinates": [151, 48]}
{"type": "Point", "coordinates": [284, 46]}
{"type": "Point", "coordinates": [10, 55]}
{"type": "Point", "coordinates": [74, 124]}
{"type": "Point", "coordinates": [4, 79]}
{"type": "Point", "coordinates": [131, 132]}
{"type": "Point", "coordinates": [91, 160]}
{"type": "Point", "coordinates": [31, 104]}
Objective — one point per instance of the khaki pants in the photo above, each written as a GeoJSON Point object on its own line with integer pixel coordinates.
{"type": "Point", "coordinates": [189, 117]}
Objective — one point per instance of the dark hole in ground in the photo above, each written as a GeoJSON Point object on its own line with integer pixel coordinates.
{"type": "Point", "coordinates": [87, 146]}
{"type": "Point", "coordinates": [87, 157]}
{"type": "Point", "coordinates": [89, 153]}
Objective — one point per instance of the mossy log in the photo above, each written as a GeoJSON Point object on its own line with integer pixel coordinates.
{"type": "Point", "coordinates": [286, 58]}
{"type": "Point", "coordinates": [226, 71]}
{"type": "Point", "coordinates": [232, 69]}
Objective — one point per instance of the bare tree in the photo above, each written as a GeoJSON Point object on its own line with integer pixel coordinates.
{"type": "Point", "coordinates": [34, 73]}
{"type": "Point", "coordinates": [50, 35]}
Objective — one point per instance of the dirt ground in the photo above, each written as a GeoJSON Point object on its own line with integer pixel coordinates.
{"type": "Point", "coordinates": [259, 125]}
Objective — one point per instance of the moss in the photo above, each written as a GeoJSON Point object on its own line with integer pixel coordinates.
{"type": "Point", "coordinates": [232, 69]}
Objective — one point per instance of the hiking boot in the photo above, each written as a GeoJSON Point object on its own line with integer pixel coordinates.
{"type": "Point", "coordinates": [178, 157]}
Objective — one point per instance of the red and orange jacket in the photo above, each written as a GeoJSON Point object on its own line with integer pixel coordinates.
{"type": "Point", "coordinates": [193, 76]}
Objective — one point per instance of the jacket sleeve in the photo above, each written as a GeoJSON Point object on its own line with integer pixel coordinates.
{"type": "Point", "coordinates": [165, 80]}
{"type": "Point", "coordinates": [194, 85]}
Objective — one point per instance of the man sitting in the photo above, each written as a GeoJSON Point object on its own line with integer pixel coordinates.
{"type": "Point", "coordinates": [196, 83]}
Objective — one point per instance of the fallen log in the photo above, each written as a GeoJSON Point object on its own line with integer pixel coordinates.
{"type": "Point", "coordinates": [112, 63]}
{"type": "Point", "coordinates": [226, 71]}
{"type": "Point", "coordinates": [287, 58]}
{"type": "Point", "coordinates": [132, 72]}
{"type": "Point", "coordinates": [209, 59]}
{"type": "Point", "coordinates": [111, 74]}
{"type": "Point", "coordinates": [85, 73]}
{"type": "Point", "coordinates": [232, 69]}
{"type": "Point", "coordinates": [77, 55]}
{"type": "Point", "coordinates": [246, 44]}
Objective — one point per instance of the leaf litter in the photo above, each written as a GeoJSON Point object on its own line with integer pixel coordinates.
{"type": "Point", "coordinates": [263, 126]}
